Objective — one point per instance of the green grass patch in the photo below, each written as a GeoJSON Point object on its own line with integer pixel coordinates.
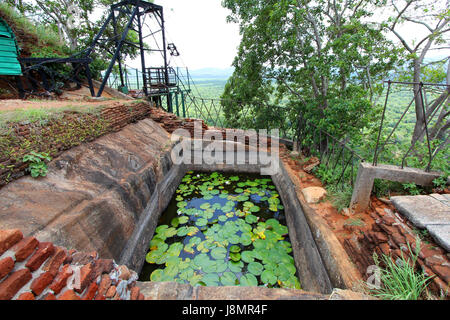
{"type": "Point", "coordinates": [399, 278]}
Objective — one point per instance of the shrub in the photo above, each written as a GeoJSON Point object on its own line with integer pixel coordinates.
{"type": "Point", "coordinates": [37, 166]}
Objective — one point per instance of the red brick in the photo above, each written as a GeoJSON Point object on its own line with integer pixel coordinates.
{"type": "Point", "coordinates": [134, 293]}
{"type": "Point", "coordinates": [11, 285]}
{"type": "Point", "coordinates": [86, 273]}
{"type": "Point", "coordinates": [105, 283]}
{"type": "Point", "coordinates": [103, 266]}
{"type": "Point", "coordinates": [436, 259]}
{"type": "Point", "coordinates": [39, 284]}
{"type": "Point", "coordinates": [426, 251]}
{"type": "Point", "coordinates": [439, 286]}
{"type": "Point", "coordinates": [49, 296]}
{"type": "Point", "coordinates": [69, 295]}
{"type": "Point", "coordinates": [25, 248]}
{"type": "Point", "coordinates": [54, 263]}
{"type": "Point", "coordinates": [111, 292]}
{"type": "Point", "coordinates": [388, 220]}
{"type": "Point", "coordinates": [6, 266]}
{"type": "Point", "coordinates": [8, 238]}
{"type": "Point", "coordinates": [442, 271]}
{"type": "Point", "coordinates": [100, 297]}
{"type": "Point", "coordinates": [81, 258]}
{"type": "Point", "coordinates": [90, 292]}
{"type": "Point", "coordinates": [45, 250]}
{"type": "Point", "coordinates": [26, 296]}
{"type": "Point", "coordinates": [61, 279]}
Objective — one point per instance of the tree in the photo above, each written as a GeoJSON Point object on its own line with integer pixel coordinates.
{"type": "Point", "coordinates": [434, 18]}
{"type": "Point", "coordinates": [323, 57]}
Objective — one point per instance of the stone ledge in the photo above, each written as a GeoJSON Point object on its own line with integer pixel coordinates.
{"type": "Point", "coordinates": [177, 291]}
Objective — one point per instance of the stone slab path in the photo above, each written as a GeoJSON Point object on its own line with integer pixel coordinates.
{"type": "Point", "coordinates": [430, 212]}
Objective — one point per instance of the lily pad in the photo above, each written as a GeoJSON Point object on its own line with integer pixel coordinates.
{"type": "Point", "coordinates": [235, 256]}
{"type": "Point", "coordinates": [228, 279]}
{"type": "Point", "coordinates": [268, 277]}
{"type": "Point", "coordinates": [211, 279]}
{"type": "Point", "coordinates": [235, 266]}
{"type": "Point", "coordinates": [248, 280]}
{"type": "Point", "coordinates": [251, 219]}
{"type": "Point", "coordinates": [201, 222]}
{"type": "Point", "coordinates": [235, 249]}
{"type": "Point", "coordinates": [247, 256]}
{"type": "Point", "coordinates": [219, 253]}
{"type": "Point", "coordinates": [255, 268]}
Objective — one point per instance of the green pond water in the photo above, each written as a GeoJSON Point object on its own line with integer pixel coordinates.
{"type": "Point", "coordinates": [223, 230]}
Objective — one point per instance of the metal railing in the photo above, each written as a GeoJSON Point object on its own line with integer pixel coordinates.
{"type": "Point", "coordinates": [433, 104]}
{"type": "Point", "coordinates": [338, 160]}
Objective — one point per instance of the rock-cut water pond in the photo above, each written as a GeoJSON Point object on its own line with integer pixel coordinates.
{"type": "Point", "coordinates": [223, 229]}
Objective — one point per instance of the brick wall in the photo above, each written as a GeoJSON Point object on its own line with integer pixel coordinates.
{"type": "Point", "coordinates": [33, 270]}
{"type": "Point", "coordinates": [389, 235]}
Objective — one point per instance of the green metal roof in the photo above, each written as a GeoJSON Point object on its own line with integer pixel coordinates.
{"type": "Point", "coordinates": [9, 65]}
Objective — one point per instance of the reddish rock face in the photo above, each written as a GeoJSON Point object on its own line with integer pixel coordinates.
{"type": "Point", "coordinates": [8, 238]}
{"type": "Point", "coordinates": [93, 195]}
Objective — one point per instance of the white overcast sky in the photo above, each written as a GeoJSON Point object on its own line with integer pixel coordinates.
{"type": "Point", "coordinates": [200, 31]}
{"type": "Point", "coordinates": [205, 40]}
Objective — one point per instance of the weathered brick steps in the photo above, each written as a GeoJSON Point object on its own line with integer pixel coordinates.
{"type": "Point", "coordinates": [390, 235]}
{"type": "Point", "coordinates": [33, 270]}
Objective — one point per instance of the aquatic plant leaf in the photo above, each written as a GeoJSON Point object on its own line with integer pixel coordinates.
{"type": "Point", "coordinates": [222, 218]}
{"type": "Point", "coordinates": [248, 280]}
{"type": "Point", "coordinates": [175, 222]}
{"type": "Point", "coordinates": [155, 243]}
{"type": "Point", "coordinates": [181, 204]}
{"type": "Point", "coordinates": [242, 198]}
{"type": "Point", "coordinates": [211, 279]}
{"type": "Point", "coordinates": [235, 256]}
{"type": "Point", "coordinates": [205, 205]}
{"type": "Point", "coordinates": [157, 275]}
{"type": "Point", "coordinates": [234, 239]}
{"type": "Point", "coordinates": [228, 279]}
{"type": "Point", "coordinates": [268, 277]}
{"type": "Point", "coordinates": [219, 253]}
{"type": "Point", "coordinates": [183, 219]}
{"type": "Point", "coordinates": [196, 280]}
{"type": "Point", "coordinates": [291, 283]}
{"type": "Point", "coordinates": [201, 222]}
{"type": "Point", "coordinates": [255, 209]}
{"type": "Point", "coordinates": [161, 229]}
{"type": "Point", "coordinates": [282, 272]}
{"type": "Point", "coordinates": [255, 268]}
{"type": "Point", "coordinates": [192, 231]}
{"type": "Point", "coordinates": [175, 249]}
{"type": "Point", "coordinates": [183, 231]}
{"type": "Point", "coordinates": [221, 266]}
{"type": "Point", "coordinates": [235, 249]}
{"type": "Point", "coordinates": [235, 266]}
{"type": "Point", "coordinates": [251, 219]}
{"type": "Point", "coordinates": [170, 232]}
{"type": "Point", "coordinates": [153, 256]}
{"type": "Point", "coordinates": [247, 256]}
{"type": "Point", "coordinates": [238, 190]}
{"type": "Point", "coordinates": [186, 274]}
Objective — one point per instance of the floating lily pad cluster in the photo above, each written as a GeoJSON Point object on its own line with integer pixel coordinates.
{"type": "Point", "coordinates": [226, 232]}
